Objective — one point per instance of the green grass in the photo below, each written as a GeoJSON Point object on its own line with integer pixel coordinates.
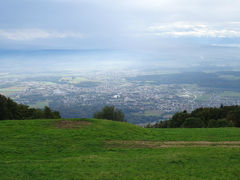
{"type": "Point", "coordinates": [36, 149]}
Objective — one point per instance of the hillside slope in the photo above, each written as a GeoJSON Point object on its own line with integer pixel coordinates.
{"type": "Point", "coordinates": [101, 149]}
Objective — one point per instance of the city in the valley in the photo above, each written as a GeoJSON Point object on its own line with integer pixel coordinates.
{"type": "Point", "coordinates": [143, 97]}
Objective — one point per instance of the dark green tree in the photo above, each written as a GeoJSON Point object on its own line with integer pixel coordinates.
{"type": "Point", "coordinates": [110, 113]}
{"type": "Point", "coordinates": [193, 122]}
{"type": "Point", "coordinates": [47, 112]}
{"type": "Point", "coordinates": [11, 110]}
{"type": "Point", "coordinates": [3, 107]}
{"type": "Point", "coordinates": [178, 119]}
{"type": "Point", "coordinates": [224, 116]}
{"type": "Point", "coordinates": [234, 117]}
{"type": "Point", "coordinates": [213, 123]}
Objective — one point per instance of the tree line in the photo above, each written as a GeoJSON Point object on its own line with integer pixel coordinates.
{"type": "Point", "coordinates": [11, 110]}
{"type": "Point", "coordinates": [205, 117]}
{"type": "Point", "coordinates": [208, 117]}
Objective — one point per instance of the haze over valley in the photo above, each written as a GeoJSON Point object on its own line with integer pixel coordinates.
{"type": "Point", "coordinates": [148, 86]}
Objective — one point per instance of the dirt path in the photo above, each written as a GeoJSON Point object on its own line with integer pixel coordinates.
{"type": "Point", "coordinates": [63, 124]}
{"type": "Point", "coordinates": [167, 144]}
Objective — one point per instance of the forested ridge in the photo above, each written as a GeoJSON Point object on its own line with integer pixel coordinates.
{"type": "Point", "coordinates": [205, 117]}
{"type": "Point", "coordinates": [11, 110]}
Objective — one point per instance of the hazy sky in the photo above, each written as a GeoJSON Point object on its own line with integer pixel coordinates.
{"type": "Point", "coordinates": [118, 24]}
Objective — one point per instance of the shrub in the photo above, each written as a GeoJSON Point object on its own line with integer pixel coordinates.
{"type": "Point", "coordinates": [193, 122]}
{"type": "Point", "coordinates": [213, 123]}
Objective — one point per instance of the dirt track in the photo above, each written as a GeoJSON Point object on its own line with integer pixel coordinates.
{"type": "Point", "coordinates": [63, 124]}
{"type": "Point", "coordinates": [168, 144]}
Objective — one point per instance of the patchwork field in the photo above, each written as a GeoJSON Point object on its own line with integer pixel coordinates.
{"type": "Point", "coordinates": [101, 149]}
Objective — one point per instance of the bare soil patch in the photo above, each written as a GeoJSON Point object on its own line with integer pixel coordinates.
{"type": "Point", "coordinates": [68, 124]}
{"type": "Point", "coordinates": [168, 144]}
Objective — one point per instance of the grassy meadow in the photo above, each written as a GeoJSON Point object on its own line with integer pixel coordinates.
{"type": "Point", "coordinates": [92, 149]}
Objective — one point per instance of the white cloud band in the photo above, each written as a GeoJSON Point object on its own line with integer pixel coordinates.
{"type": "Point", "coordinates": [185, 29]}
{"type": "Point", "coordinates": [33, 34]}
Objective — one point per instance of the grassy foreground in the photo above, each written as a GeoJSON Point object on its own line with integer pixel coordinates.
{"type": "Point", "coordinates": [54, 149]}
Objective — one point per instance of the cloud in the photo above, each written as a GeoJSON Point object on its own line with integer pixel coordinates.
{"type": "Point", "coordinates": [34, 34]}
{"type": "Point", "coordinates": [227, 45]}
{"type": "Point", "coordinates": [118, 23]}
{"type": "Point", "coordinates": [162, 4]}
{"type": "Point", "coordinates": [187, 29]}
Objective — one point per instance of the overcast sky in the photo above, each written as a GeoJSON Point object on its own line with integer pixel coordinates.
{"type": "Point", "coordinates": [118, 24]}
